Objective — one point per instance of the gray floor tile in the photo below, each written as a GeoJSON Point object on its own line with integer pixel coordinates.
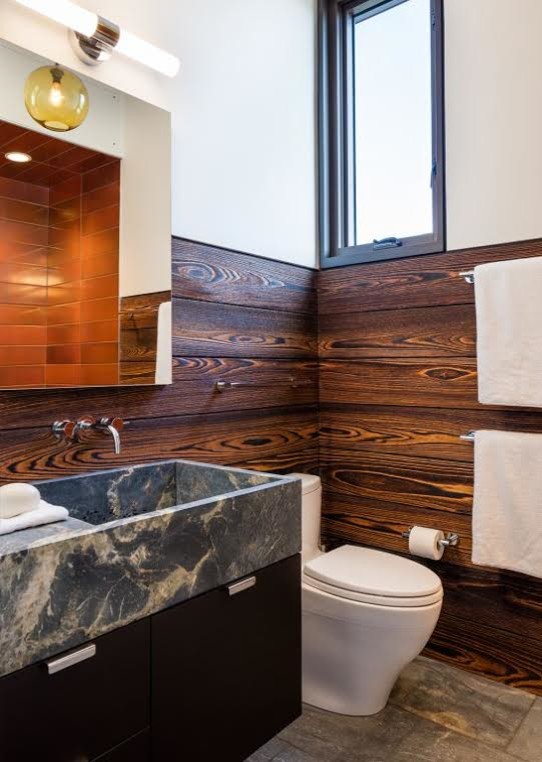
{"type": "Point", "coordinates": [527, 743]}
{"type": "Point", "coordinates": [462, 702]}
{"type": "Point", "coordinates": [431, 743]}
{"type": "Point", "coordinates": [268, 751]}
{"type": "Point", "coordinates": [292, 754]}
{"type": "Point", "coordinates": [338, 737]}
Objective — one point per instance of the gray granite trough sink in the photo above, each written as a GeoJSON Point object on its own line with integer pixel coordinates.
{"type": "Point", "coordinates": [138, 540]}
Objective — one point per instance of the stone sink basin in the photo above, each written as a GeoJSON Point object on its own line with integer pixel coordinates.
{"type": "Point", "coordinates": [138, 540]}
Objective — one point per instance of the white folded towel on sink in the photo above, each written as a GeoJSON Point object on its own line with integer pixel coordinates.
{"type": "Point", "coordinates": [45, 514]}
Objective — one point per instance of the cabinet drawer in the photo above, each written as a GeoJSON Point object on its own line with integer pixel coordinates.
{"type": "Point", "coordinates": [226, 668]}
{"type": "Point", "coordinates": [74, 707]}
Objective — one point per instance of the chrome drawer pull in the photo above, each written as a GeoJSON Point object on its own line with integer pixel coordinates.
{"type": "Point", "coordinates": [63, 662]}
{"type": "Point", "coordinates": [244, 584]}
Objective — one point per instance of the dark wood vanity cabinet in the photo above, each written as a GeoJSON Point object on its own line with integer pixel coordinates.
{"type": "Point", "coordinates": [85, 709]}
{"type": "Point", "coordinates": [226, 668]}
{"type": "Point", "coordinates": [210, 679]}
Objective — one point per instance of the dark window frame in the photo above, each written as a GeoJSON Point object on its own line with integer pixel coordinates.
{"type": "Point", "coordinates": [335, 107]}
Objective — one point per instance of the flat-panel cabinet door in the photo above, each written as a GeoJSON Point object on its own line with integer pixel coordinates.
{"type": "Point", "coordinates": [77, 706]}
{"type": "Point", "coordinates": [226, 668]}
{"type": "Point", "coordinates": [136, 749]}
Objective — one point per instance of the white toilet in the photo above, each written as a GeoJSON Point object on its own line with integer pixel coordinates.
{"type": "Point", "coordinates": [366, 615]}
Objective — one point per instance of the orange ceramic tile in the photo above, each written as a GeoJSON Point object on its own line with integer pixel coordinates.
{"type": "Point", "coordinates": [20, 252]}
{"type": "Point", "coordinates": [97, 178]}
{"type": "Point", "coordinates": [38, 256]}
{"type": "Point", "coordinates": [67, 188]}
{"type": "Point", "coordinates": [26, 143]}
{"type": "Point", "coordinates": [71, 158]}
{"type": "Point", "coordinates": [67, 272]}
{"type": "Point", "coordinates": [100, 309]}
{"type": "Point", "coordinates": [101, 198]}
{"type": "Point", "coordinates": [22, 335]}
{"type": "Point", "coordinates": [100, 243]}
{"type": "Point", "coordinates": [22, 355]}
{"type": "Point", "coordinates": [15, 189]}
{"type": "Point", "coordinates": [22, 314]}
{"type": "Point", "coordinates": [99, 288]}
{"type": "Point", "coordinates": [14, 293]}
{"type": "Point", "coordinates": [67, 211]}
{"type": "Point", "coordinates": [67, 237]}
{"type": "Point", "coordinates": [99, 375]}
{"type": "Point", "coordinates": [103, 330]}
{"type": "Point", "coordinates": [48, 152]}
{"type": "Point", "coordinates": [59, 257]}
{"type": "Point", "coordinates": [9, 132]}
{"type": "Point", "coordinates": [64, 293]}
{"type": "Point", "coordinates": [103, 265]}
{"type": "Point", "coordinates": [31, 375]}
{"type": "Point", "coordinates": [101, 219]}
{"type": "Point", "coordinates": [22, 211]}
{"type": "Point", "coordinates": [93, 162]}
{"type": "Point", "coordinates": [63, 334]}
{"type": "Point", "coordinates": [21, 232]}
{"type": "Point", "coordinates": [65, 313]}
{"type": "Point", "coordinates": [23, 275]}
{"type": "Point", "coordinates": [67, 354]}
{"type": "Point", "coordinates": [100, 353]}
{"type": "Point", "coordinates": [62, 375]}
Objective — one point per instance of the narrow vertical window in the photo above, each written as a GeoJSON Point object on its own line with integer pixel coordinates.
{"type": "Point", "coordinates": [381, 130]}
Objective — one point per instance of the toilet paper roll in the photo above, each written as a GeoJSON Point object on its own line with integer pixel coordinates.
{"type": "Point", "coordinates": [18, 498]}
{"type": "Point", "coordinates": [424, 542]}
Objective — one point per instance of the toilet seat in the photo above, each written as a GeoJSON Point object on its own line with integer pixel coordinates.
{"type": "Point", "coordinates": [373, 577]}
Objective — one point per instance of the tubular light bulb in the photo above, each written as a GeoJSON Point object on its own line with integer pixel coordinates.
{"type": "Point", "coordinates": [66, 13]}
{"type": "Point", "coordinates": [144, 52]}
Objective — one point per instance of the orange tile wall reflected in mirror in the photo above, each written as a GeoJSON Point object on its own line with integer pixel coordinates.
{"type": "Point", "coordinates": [59, 263]}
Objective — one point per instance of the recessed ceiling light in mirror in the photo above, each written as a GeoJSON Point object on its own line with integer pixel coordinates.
{"type": "Point", "coordinates": [18, 156]}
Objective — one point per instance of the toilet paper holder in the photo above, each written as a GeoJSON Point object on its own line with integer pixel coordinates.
{"type": "Point", "coordinates": [451, 539]}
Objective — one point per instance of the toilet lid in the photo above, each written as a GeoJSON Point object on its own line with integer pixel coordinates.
{"type": "Point", "coordinates": [372, 573]}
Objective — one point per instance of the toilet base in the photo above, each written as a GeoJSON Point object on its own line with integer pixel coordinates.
{"type": "Point", "coordinates": [354, 652]}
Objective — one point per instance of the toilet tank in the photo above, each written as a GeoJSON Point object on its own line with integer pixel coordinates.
{"type": "Point", "coordinates": [311, 514]}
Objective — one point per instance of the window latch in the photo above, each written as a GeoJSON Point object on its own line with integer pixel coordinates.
{"type": "Point", "coordinates": [387, 243]}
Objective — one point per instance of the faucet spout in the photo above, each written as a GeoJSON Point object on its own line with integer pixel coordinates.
{"type": "Point", "coordinates": [116, 438]}
{"type": "Point", "coordinates": [114, 426]}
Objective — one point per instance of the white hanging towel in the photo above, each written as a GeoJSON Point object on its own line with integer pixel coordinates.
{"type": "Point", "coordinates": [507, 511]}
{"type": "Point", "coordinates": [509, 332]}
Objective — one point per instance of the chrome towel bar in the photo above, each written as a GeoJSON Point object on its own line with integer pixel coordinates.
{"type": "Point", "coordinates": [468, 275]}
{"type": "Point", "coordinates": [470, 437]}
{"type": "Point", "coordinates": [222, 386]}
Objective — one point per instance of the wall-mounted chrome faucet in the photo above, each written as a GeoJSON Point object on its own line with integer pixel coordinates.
{"type": "Point", "coordinates": [69, 430]}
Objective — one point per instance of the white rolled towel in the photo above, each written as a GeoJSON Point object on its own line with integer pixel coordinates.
{"type": "Point", "coordinates": [45, 514]}
{"type": "Point", "coordinates": [16, 499]}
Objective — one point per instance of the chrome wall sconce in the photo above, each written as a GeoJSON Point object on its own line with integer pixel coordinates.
{"type": "Point", "coordinates": [94, 38]}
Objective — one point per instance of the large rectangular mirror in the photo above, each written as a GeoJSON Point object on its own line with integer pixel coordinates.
{"type": "Point", "coordinates": [85, 246]}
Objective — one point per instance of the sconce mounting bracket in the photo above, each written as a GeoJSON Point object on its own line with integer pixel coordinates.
{"type": "Point", "coordinates": [98, 48]}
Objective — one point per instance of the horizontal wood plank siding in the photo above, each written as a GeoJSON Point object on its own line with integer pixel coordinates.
{"type": "Point", "coordinates": [398, 386]}
{"type": "Point", "coordinates": [261, 340]}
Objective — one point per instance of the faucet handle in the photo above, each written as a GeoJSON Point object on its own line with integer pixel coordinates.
{"type": "Point", "coordinates": [116, 423]}
{"type": "Point", "coordinates": [86, 422]}
{"type": "Point", "coordinates": [64, 429]}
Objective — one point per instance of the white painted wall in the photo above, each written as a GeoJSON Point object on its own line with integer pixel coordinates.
{"type": "Point", "coordinates": [145, 211]}
{"type": "Point", "coordinates": [493, 121]}
{"type": "Point", "coordinates": [243, 111]}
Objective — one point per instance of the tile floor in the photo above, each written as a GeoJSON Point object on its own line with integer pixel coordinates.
{"type": "Point", "coordinates": [436, 714]}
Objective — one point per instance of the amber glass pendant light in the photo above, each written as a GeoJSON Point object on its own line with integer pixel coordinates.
{"type": "Point", "coordinates": [56, 98]}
